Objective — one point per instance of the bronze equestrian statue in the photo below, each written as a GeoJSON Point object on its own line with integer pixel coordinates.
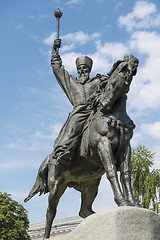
{"type": "Point", "coordinates": [94, 140]}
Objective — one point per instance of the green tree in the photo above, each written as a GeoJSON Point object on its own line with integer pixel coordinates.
{"type": "Point", "coordinates": [145, 179]}
{"type": "Point", "coordinates": [13, 219]}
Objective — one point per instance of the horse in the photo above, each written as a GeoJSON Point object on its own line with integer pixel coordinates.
{"type": "Point", "coordinates": [104, 147]}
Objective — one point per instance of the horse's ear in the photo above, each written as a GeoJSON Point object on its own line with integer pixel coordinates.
{"type": "Point", "coordinates": [131, 56]}
{"type": "Point", "coordinates": [126, 58]}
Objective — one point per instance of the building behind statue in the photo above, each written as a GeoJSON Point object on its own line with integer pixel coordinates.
{"type": "Point", "coordinates": [59, 227]}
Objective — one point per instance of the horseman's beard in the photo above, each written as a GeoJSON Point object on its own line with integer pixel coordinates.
{"type": "Point", "coordinates": [83, 77]}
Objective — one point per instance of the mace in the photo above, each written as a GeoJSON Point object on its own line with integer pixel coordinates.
{"type": "Point", "coordinates": [58, 14]}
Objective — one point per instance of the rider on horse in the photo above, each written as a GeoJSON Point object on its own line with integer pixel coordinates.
{"type": "Point", "coordinates": [83, 95]}
{"type": "Point", "coordinates": [106, 140]}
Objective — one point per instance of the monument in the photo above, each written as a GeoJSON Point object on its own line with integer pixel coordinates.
{"type": "Point", "coordinates": [95, 138]}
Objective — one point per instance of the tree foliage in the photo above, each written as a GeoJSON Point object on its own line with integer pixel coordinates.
{"type": "Point", "coordinates": [13, 219]}
{"type": "Point", "coordinates": [145, 180]}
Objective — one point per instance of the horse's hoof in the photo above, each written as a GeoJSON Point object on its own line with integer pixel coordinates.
{"type": "Point", "coordinates": [125, 203]}
{"type": "Point", "coordinates": [85, 213]}
{"type": "Point", "coordinates": [135, 204]}
{"type": "Point", "coordinates": [138, 205]}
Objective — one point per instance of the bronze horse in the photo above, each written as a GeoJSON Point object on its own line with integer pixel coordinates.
{"type": "Point", "coordinates": [104, 147]}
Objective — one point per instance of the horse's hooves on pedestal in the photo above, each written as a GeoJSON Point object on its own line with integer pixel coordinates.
{"type": "Point", "coordinates": [135, 204]}
{"type": "Point", "coordinates": [85, 213]}
{"type": "Point", "coordinates": [125, 203]}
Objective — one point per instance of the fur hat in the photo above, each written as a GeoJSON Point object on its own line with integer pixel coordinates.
{"type": "Point", "coordinates": [84, 60]}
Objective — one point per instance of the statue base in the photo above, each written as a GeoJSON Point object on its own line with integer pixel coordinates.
{"type": "Point", "coordinates": [121, 223]}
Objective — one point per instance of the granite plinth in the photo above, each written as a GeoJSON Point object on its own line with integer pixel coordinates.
{"type": "Point", "coordinates": [121, 223]}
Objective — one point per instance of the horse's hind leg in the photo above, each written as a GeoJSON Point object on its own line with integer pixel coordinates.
{"type": "Point", "coordinates": [106, 155]}
{"type": "Point", "coordinates": [125, 176]}
{"type": "Point", "coordinates": [88, 194]}
{"type": "Point", "coordinates": [56, 188]}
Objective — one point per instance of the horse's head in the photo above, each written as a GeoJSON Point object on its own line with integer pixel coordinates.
{"type": "Point", "coordinates": [132, 64]}
{"type": "Point", "coordinates": [125, 69]}
{"type": "Point", "coordinates": [119, 81]}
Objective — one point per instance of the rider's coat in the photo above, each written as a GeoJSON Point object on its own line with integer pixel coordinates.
{"type": "Point", "coordinates": [80, 95]}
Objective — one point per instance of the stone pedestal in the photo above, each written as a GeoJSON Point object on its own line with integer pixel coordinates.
{"type": "Point", "coordinates": [121, 223]}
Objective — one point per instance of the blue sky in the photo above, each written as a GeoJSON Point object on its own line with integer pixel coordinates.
{"type": "Point", "coordinates": [33, 107]}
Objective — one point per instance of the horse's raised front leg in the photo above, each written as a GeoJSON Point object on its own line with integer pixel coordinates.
{"type": "Point", "coordinates": [56, 188]}
{"type": "Point", "coordinates": [88, 194]}
{"type": "Point", "coordinates": [125, 176]}
{"type": "Point", "coordinates": [106, 155]}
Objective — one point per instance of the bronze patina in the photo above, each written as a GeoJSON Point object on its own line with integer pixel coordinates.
{"type": "Point", "coordinates": [94, 140]}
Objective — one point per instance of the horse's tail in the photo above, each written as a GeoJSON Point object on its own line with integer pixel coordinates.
{"type": "Point", "coordinates": [37, 187]}
{"type": "Point", "coordinates": [41, 180]}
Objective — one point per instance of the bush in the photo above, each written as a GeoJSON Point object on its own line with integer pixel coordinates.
{"type": "Point", "coordinates": [13, 219]}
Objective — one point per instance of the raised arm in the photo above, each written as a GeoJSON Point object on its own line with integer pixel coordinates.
{"type": "Point", "coordinates": [62, 76]}
{"type": "Point", "coordinates": [56, 61]}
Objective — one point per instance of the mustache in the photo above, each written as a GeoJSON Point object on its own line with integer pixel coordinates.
{"type": "Point", "coordinates": [83, 72]}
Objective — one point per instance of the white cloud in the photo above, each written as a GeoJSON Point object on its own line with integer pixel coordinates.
{"type": "Point", "coordinates": [38, 140]}
{"type": "Point", "coordinates": [34, 37]}
{"type": "Point", "coordinates": [119, 4]}
{"type": "Point", "coordinates": [49, 41]}
{"type": "Point", "coordinates": [141, 41]}
{"type": "Point", "coordinates": [103, 57]}
{"type": "Point", "coordinates": [69, 61]}
{"type": "Point", "coordinates": [71, 40]}
{"type": "Point", "coordinates": [152, 129]}
{"type": "Point", "coordinates": [149, 135]}
{"type": "Point", "coordinates": [11, 146]}
{"type": "Point", "coordinates": [143, 8]}
{"type": "Point", "coordinates": [143, 16]}
{"type": "Point", "coordinates": [31, 17]}
{"type": "Point", "coordinates": [156, 149]}
{"type": "Point", "coordinates": [39, 17]}
{"type": "Point", "coordinates": [67, 48]}
{"type": "Point", "coordinates": [146, 86]}
{"type": "Point", "coordinates": [137, 139]}
{"type": "Point", "coordinates": [77, 38]}
{"type": "Point", "coordinates": [106, 54]}
{"type": "Point", "coordinates": [16, 165]}
{"type": "Point", "coordinates": [114, 50]}
{"type": "Point", "coordinates": [74, 2]}
{"type": "Point", "coordinates": [19, 26]}
{"type": "Point", "coordinates": [43, 16]}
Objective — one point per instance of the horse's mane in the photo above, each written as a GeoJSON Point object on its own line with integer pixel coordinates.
{"type": "Point", "coordinates": [124, 62]}
{"type": "Point", "coordinates": [115, 65]}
